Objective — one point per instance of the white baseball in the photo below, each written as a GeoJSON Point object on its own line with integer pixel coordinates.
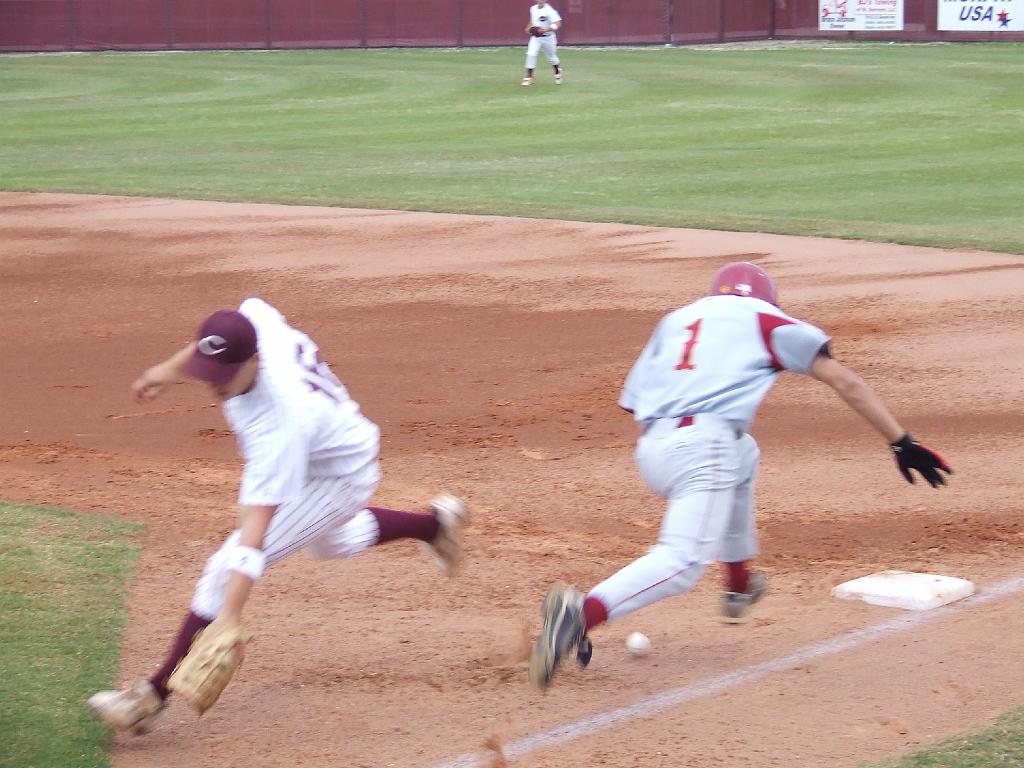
{"type": "Point", "coordinates": [638, 643]}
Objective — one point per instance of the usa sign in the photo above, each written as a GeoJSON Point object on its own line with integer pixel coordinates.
{"type": "Point", "coordinates": [974, 16]}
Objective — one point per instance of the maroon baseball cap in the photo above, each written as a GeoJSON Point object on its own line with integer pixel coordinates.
{"type": "Point", "coordinates": [225, 340]}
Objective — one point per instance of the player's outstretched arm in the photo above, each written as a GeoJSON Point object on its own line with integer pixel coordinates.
{"type": "Point", "coordinates": [862, 399]}
{"type": "Point", "coordinates": [858, 395]}
{"type": "Point", "coordinates": [156, 379]}
{"type": "Point", "coordinates": [255, 520]}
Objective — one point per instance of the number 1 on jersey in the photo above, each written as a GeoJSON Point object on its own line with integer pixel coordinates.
{"type": "Point", "coordinates": [694, 329]}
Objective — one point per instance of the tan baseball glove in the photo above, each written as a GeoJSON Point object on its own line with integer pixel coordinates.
{"type": "Point", "coordinates": [210, 664]}
{"type": "Point", "coordinates": [537, 31]}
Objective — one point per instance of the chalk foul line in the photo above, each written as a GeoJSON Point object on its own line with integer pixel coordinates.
{"type": "Point", "coordinates": [650, 705]}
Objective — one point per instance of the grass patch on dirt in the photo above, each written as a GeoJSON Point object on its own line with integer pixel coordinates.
{"type": "Point", "coordinates": [903, 143]}
{"type": "Point", "coordinates": [1000, 747]}
{"type": "Point", "coordinates": [62, 585]}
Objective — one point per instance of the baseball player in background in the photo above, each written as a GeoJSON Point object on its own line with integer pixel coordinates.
{"type": "Point", "coordinates": [310, 470]}
{"type": "Point", "coordinates": [544, 22]}
{"type": "Point", "coordinates": [695, 390]}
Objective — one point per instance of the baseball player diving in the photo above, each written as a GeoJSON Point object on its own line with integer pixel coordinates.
{"type": "Point", "coordinates": [544, 22]}
{"type": "Point", "coordinates": [694, 391]}
{"type": "Point", "coordinates": [310, 470]}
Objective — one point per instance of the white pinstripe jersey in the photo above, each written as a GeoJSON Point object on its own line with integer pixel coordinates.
{"type": "Point", "coordinates": [297, 421]}
{"type": "Point", "coordinates": [719, 355]}
{"type": "Point", "coordinates": [543, 17]}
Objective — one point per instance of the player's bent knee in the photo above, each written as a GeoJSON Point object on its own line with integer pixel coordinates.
{"type": "Point", "coordinates": [749, 450]}
{"type": "Point", "coordinates": [682, 567]}
{"type": "Point", "coordinates": [684, 580]}
{"type": "Point", "coordinates": [353, 538]}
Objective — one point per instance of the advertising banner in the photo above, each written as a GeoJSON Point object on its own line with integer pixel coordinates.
{"type": "Point", "coordinates": [991, 16]}
{"type": "Point", "coordinates": [860, 15]}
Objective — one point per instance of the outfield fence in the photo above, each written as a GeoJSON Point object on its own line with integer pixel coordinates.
{"type": "Point", "coordinates": [89, 25]}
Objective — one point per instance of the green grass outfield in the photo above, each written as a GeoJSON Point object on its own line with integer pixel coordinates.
{"type": "Point", "coordinates": [1001, 747]}
{"type": "Point", "coordinates": [906, 143]}
{"type": "Point", "coordinates": [62, 586]}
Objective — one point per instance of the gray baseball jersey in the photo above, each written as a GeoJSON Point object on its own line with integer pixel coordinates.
{"type": "Point", "coordinates": [719, 355]}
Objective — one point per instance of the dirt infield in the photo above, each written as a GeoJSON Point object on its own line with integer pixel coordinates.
{"type": "Point", "coordinates": [491, 352]}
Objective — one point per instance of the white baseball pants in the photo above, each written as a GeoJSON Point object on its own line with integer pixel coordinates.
{"type": "Point", "coordinates": [548, 43]}
{"type": "Point", "coordinates": [329, 521]}
{"type": "Point", "coordinates": [706, 473]}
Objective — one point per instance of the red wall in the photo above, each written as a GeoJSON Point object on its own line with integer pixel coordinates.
{"type": "Point", "coordinates": [612, 21]}
{"type": "Point", "coordinates": [218, 24]}
{"type": "Point", "coordinates": [316, 23]}
{"type": "Point", "coordinates": [696, 21]}
{"type": "Point", "coordinates": [34, 25]}
{"type": "Point", "coordinates": [120, 24]}
{"type": "Point", "coordinates": [746, 19]}
{"type": "Point", "coordinates": [53, 25]}
{"type": "Point", "coordinates": [411, 22]}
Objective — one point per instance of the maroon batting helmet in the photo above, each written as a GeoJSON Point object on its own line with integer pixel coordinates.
{"type": "Point", "coordinates": [741, 278]}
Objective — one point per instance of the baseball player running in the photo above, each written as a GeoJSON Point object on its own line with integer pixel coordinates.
{"type": "Point", "coordinates": [310, 469]}
{"type": "Point", "coordinates": [695, 390]}
{"type": "Point", "coordinates": [544, 21]}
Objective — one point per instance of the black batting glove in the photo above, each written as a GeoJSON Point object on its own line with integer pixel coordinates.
{"type": "Point", "coordinates": [912, 455]}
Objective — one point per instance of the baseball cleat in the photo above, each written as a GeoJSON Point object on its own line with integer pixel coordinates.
{"type": "Point", "coordinates": [446, 548]}
{"type": "Point", "coordinates": [584, 652]}
{"type": "Point", "coordinates": [134, 710]}
{"type": "Point", "coordinates": [563, 631]}
{"type": "Point", "coordinates": [527, 81]}
{"type": "Point", "coordinates": [736, 605]}
{"type": "Point", "coordinates": [558, 79]}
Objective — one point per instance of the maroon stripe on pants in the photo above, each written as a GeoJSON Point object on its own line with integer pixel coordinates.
{"type": "Point", "coordinates": [700, 535]}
